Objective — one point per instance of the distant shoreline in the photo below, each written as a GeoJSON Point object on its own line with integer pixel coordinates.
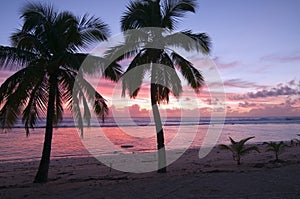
{"type": "Point", "coordinates": [171, 121]}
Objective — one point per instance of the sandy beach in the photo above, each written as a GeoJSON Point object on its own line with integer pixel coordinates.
{"type": "Point", "coordinates": [215, 176]}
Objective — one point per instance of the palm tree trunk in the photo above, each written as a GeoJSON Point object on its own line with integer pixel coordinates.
{"type": "Point", "coordinates": [238, 160]}
{"type": "Point", "coordinates": [162, 163]}
{"type": "Point", "coordinates": [276, 154]}
{"type": "Point", "coordinates": [42, 174]}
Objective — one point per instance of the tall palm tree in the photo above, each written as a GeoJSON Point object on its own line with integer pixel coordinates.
{"type": "Point", "coordinates": [45, 54]}
{"type": "Point", "coordinates": [238, 148]}
{"type": "Point", "coordinates": [161, 63]}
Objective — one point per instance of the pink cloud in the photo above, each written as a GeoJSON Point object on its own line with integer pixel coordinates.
{"type": "Point", "coordinates": [291, 89]}
{"type": "Point", "coordinates": [136, 111]}
{"type": "Point", "coordinates": [236, 83]}
{"type": "Point", "coordinates": [224, 65]}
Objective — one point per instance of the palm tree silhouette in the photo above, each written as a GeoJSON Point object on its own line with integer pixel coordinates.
{"type": "Point", "coordinates": [45, 54]}
{"type": "Point", "coordinates": [147, 46]}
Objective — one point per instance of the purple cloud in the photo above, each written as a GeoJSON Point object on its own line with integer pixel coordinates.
{"type": "Point", "coordinates": [291, 89]}
{"type": "Point", "coordinates": [238, 83]}
{"type": "Point", "coordinates": [224, 65]}
{"type": "Point", "coordinates": [246, 105]}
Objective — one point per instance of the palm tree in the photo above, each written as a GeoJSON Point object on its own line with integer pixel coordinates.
{"type": "Point", "coordinates": [152, 21]}
{"type": "Point", "coordinates": [45, 54]}
{"type": "Point", "coordinates": [276, 148]}
{"type": "Point", "coordinates": [238, 148]}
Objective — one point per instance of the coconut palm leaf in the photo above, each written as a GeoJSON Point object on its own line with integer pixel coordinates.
{"type": "Point", "coordinates": [249, 149]}
{"type": "Point", "coordinates": [243, 141]}
{"type": "Point", "coordinates": [225, 147]}
{"type": "Point", "coordinates": [13, 58]}
{"type": "Point", "coordinates": [199, 42]}
{"type": "Point", "coordinates": [133, 77]}
{"type": "Point", "coordinates": [191, 74]}
{"type": "Point", "coordinates": [172, 11]}
{"type": "Point", "coordinates": [92, 29]}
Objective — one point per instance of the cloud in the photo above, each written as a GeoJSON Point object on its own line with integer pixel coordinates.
{"type": "Point", "coordinates": [292, 83]}
{"type": "Point", "coordinates": [224, 65]}
{"type": "Point", "coordinates": [291, 102]}
{"type": "Point", "coordinates": [236, 83]}
{"type": "Point", "coordinates": [136, 111]}
{"type": "Point", "coordinates": [289, 89]}
{"type": "Point", "coordinates": [267, 111]}
{"type": "Point", "coordinates": [247, 105]}
{"type": "Point", "coordinates": [284, 90]}
{"type": "Point", "coordinates": [276, 110]}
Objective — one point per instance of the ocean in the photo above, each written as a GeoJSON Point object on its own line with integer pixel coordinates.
{"type": "Point", "coordinates": [139, 134]}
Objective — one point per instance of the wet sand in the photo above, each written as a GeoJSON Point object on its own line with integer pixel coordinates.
{"type": "Point", "coordinates": [215, 176]}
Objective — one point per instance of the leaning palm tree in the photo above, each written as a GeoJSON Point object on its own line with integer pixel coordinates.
{"type": "Point", "coordinates": [238, 148]}
{"type": "Point", "coordinates": [44, 52]}
{"type": "Point", "coordinates": [153, 22]}
{"type": "Point", "coordinates": [277, 148]}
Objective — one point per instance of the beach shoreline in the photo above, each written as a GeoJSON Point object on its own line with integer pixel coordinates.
{"type": "Point", "coordinates": [75, 176]}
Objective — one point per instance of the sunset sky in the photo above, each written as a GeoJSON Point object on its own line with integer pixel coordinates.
{"type": "Point", "coordinates": [255, 48]}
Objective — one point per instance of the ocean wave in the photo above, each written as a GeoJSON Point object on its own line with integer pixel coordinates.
{"type": "Point", "coordinates": [125, 122]}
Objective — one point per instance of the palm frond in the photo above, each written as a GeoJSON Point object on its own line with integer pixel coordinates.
{"type": "Point", "coordinates": [100, 106]}
{"type": "Point", "coordinates": [275, 146]}
{"type": "Point", "coordinates": [134, 75]}
{"type": "Point", "coordinates": [10, 85]}
{"type": "Point", "coordinates": [189, 41]}
{"type": "Point", "coordinates": [37, 104]}
{"type": "Point", "coordinates": [122, 51]}
{"type": "Point", "coordinates": [85, 90]}
{"type": "Point", "coordinates": [36, 14]}
{"type": "Point", "coordinates": [74, 61]}
{"type": "Point", "coordinates": [172, 11]}
{"type": "Point", "coordinates": [243, 141]}
{"type": "Point", "coordinates": [171, 77]}
{"type": "Point", "coordinates": [76, 110]}
{"type": "Point", "coordinates": [92, 29]}
{"type": "Point", "coordinates": [15, 96]}
{"type": "Point", "coordinates": [191, 74]}
{"type": "Point", "coordinates": [58, 112]}
{"type": "Point", "coordinates": [67, 81]}
{"type": "Point", "coordinates": [203, 43]}
{"type": "Point", "coordinates": [135, 15]}
{"type": "Point", "coordinates": [225, 147]}
{"type": "Point", "coordinates": [166, 78]}
{"type": "Point", "coordinates": [15, 58]}
{"type": "Point", "coordinates": [249, 149]}
{"type": "Point", "coordinates": [28, 42]}
{"type": "Point", "coordinates": [232, 141]}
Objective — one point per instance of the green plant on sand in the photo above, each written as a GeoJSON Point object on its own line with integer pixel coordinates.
{"type": "Point", "coordinates": [276, 147]}
{"type": "Point", "coordinates": [238, 148]}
